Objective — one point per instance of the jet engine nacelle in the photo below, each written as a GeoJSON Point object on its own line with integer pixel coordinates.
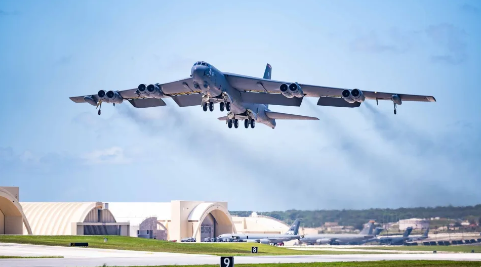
{"type": "Point", "coordinates": [346, 95]}
{"type": "Point", "coordinates": [296, 90]}
{"type": "Point", "coordinates": [252, 241]}
{"type": "Point", "coordinates": [150, 91]}
{"type": "Point", "coordinates": [114, 97]}
{"type": "Point", "coordinates": [396, 99]}
{"type": "Point", "coordinates": [265, 241]}
{"type": "Point", "coordinates": [357, 95]}
{"type": "Point", "coordinates": [285, 91]}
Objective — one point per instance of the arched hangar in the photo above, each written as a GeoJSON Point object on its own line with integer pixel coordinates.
{"type": "Point", "coordinates": [12, 218]}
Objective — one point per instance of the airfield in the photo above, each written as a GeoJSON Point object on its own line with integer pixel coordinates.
{"type": "Point", "coordinates": [63, 255]}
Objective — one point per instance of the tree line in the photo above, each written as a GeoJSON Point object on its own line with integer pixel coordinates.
{"type": "Point", "coordinates": [356, 218]}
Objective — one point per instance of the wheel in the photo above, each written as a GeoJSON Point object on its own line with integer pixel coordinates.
{"type": "Point", "coordinates": [204, 106]}
{"type": "Point", "coordinates": [99, 112]}
{"type": "Point", "coordinates": [394, 112]}
{"type": "Point", "coordinates": [211, 106]}
{"type": "Point", "coordinates": [227, 106]}
{"type": "Point", "coordinates": [222, 106]}
{"type": "Point", "coordinates": [229, 123]}
{"type": "Point", "coordinates": [236, 123]}
{"type": "Point", "coordinates": [246, 123]}
{"type": "Point", "coordinates": [253, 124]}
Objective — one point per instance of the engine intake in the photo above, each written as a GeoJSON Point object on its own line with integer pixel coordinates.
{"type": "Point", "coordinates": [346, 95]}
{"type": "Point", "coordinates": [296, 90]}
{"type": "Point", "coordinates": [357, 95]}
{"type": "Point", "coordinates": [285, 91]}
{"type": "Point", "coordinates": [150, 91]}
{"type": "Point", "coordinates": [113, 97]}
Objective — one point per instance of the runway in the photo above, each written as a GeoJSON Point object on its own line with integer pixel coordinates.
{"type": "Point", "coordinates": [97, 257]}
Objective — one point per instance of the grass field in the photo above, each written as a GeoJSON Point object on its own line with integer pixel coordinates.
{"type": "Point", "coordinates": [359, 264]}
{"type": "Point", "coordinates": [465, 249]}
{"type": "Point", "coordinates": [141, 244]}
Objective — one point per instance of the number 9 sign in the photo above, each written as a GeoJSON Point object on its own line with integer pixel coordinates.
{"type": "Point", "coordinates": [226, 261]}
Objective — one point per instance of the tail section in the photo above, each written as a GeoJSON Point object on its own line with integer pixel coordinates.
{"type": "Point", "coordinates": [268, 72]}
{"type": "Point", "coordinates": [368, 228]}
{"type": "Point", "coordinates": [425, 234]}
{"type": "Point", "coordinates": [378, 230]}
{"type": "Point", "coordinates": [284, 116]}
{"type": "Point", "coordinates": [407, 232]}
{"type": "Point", "coordinates": [294, 229]}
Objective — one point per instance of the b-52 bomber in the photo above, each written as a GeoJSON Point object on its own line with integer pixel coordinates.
{"type": "Point", "coordinates": [243, 97]}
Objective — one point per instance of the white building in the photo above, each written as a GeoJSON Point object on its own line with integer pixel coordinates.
{"type": "Point", "coordinates": [415, 223]}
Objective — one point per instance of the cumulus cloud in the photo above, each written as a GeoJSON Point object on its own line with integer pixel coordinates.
{"type": "Point", "coordinates": [392, 41]}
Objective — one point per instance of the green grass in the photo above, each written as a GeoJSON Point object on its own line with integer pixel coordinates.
{"type": "Point", "coordinates": [466, 249]}
{"type": "Point", "coordinates": [356, 264]}
{"type": "Point", "coordinates": [29, 257]}
{"type": "Point", "coordinates": [141, 244]}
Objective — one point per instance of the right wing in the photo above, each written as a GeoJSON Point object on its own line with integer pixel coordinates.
{"type": "Point", "coordinates": [267, 86]}
{"type": "Point", "coordinates": [181, 91]}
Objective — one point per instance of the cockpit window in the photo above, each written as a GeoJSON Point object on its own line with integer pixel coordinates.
{"type": "Point", "coordinates": [203, 64]}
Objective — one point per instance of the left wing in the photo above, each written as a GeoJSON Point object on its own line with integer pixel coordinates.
{"type": "Point", "coordinates": [182, 92]}
{"type": "Point", "coordinates": [258, 85]}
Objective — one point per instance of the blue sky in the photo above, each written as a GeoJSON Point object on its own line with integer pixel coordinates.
{"type": "Point", "coordinates": [427, 155]}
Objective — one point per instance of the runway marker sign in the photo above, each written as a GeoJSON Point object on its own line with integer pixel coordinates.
{"type": "Point", "coordinates": [254, 249]}
{"type": "Point", "coordinates": [226, 261]}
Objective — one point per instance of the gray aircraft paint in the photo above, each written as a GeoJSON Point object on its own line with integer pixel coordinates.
{"type": "Point", "coordinates": [365, 234]}
{"type": "Point", "coordinates": [291, 234]}
{"type": "Point", "coordinates": [398, 240]}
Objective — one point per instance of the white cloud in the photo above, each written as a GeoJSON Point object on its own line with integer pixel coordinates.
{"type": "Point", "coordinates": [113, 155]}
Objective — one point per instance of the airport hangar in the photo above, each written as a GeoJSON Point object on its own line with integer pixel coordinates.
{"type": "Point", "coordinates": [173, 220]}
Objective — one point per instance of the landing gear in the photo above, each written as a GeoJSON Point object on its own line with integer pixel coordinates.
{"type": "Point", "coordinates": [229, 123]}
{"type": "Point", "coordinates": [99, 105]}
{"type": "Point", "coordinates": [253, 124]}
{"type": "Point", "coordinates": [395, 109]}
{"type": "Point", "coordinates": [246, 123]}
{"type": "Point", "coordinates": [222, 106]}
{"type": "Point", "coordinates": [236, 123]}
{"type": "Point", "coordinates": [227, 106]}
{"type": "Point", "coordinates": [204, 106]}
{"type": "Point", "coordinates": [211, 106]}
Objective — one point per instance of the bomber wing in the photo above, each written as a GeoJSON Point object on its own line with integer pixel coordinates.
{"type": "Point", "coordinates": [328, 96]}
{"type": "Point", "coordinates": [182, 92]}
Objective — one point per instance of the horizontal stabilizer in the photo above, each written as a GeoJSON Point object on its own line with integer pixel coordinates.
{"type": "Point", "coordinates": [336, 102]}
{"type": "Point", "coordinates": [284, 116]}
{"type": "Point", "coordinates": [270, 99]}
{"type": "Point", "coordinates": [147, 102]}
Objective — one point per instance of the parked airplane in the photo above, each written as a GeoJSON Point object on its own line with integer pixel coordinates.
{"type": "Point", "coordinates": [245, 98]}
{"type": "Point", "coordinates": [396, 240]}
{"type": "Point", "coordinates": [419, 237]}
{"type": "Point", "coordinates": [365, 234]}
{"type": "Point", "coordinates": [291, 234]}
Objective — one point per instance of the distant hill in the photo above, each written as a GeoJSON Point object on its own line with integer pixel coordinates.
{"type": "Point", "coordinates": [356, 218]}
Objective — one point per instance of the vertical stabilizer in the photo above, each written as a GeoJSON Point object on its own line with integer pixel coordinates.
{"type": "Point", "coordinates": [426, 232]}
{"type": "Point", "coordinates": [407, 232]}
{"type": "Point", "coordinates": [294, 229]}
{"type": "Point", "coordinates": [268, 72]}
{"type": "Point", "coordinates": [367, 230]}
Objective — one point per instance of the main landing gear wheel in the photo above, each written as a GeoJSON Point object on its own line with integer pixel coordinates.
{"type": "Point", "coordinates": [395, 109]}
{"type": "Point", "coordinates": [246, 123]}
{"type": "Point", "coordinates": [204, 106]}
{"type": "Point", "coordinates": [211, 106]}
{"type": "Point", "coordinates": [99, 112]}
{"type": "Point", "coordinates": [229, 123]}
{"type": "Point", "coordinates": [227, 106]}
{"type": "Point", "coordinates": [236, 123]}
{"type": "Point", "coordinates": [253, 124]}
{"type": "Point", "coordinates": [222, 106]}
